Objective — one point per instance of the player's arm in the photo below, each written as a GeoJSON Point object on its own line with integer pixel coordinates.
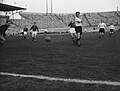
{"type": "Point", "coordinates": [37, 28]}
{"type": "Point", "coordinates": [69, 24]}
{"type": "Point", "coordinates": [31, 28]}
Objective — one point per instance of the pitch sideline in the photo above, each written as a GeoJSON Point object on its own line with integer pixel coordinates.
{"type": "Point", "coordinates": [62, 79]}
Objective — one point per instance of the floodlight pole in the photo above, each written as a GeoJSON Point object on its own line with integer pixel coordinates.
{"type": "Point", "coordinates": [46, 6]}
{"type": "Point", "coordinates": [51, 7]}
{"type": "Point", "coordinates": [117, 8]}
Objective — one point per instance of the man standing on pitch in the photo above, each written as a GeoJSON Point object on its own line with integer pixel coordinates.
{"type": "Point", "coordinates": [101, 27]}
{"type": "Point", "coordinates": [25, 30]}
{"type": "Point", "coordinates": [34, 29]}
{"type": "Point", "coordinates": [78, 27]}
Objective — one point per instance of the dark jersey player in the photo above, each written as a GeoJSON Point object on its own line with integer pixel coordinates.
{"type": "Point", "coordinates": [3, 29]}
{"type": "Point", "coordinates": [34, 29]}
{"type": "Point", "coordinates": [25, 30]}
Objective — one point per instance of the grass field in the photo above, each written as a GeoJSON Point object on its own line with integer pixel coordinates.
{"type": "Point", "coordinates": [94, 60]}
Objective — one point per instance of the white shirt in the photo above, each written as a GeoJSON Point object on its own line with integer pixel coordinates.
{"type": "Point", "coordinates": [78, 21]}
{"type": "Point", "coordinates": [102, 25]}
{"type": "Point", "coordinates": [112, 27]}
{"type": "Point", "coordinates": [45, 30]}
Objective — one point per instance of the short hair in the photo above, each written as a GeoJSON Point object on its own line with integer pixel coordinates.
{"type": "Point", "coordinates": [34, 22]}
{"type": "Point", "coordinates": [77, 13]}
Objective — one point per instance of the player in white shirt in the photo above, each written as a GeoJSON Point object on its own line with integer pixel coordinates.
{"type": "Point", "coordinates": [78, 27]}
{"type": "Point", "coordinates": [111, 28]}
{"type": "Point", "coordinates": [101, 27]}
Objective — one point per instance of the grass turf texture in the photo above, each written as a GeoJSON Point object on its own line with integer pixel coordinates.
{"type": "Point", "coordinates": [94, 60]}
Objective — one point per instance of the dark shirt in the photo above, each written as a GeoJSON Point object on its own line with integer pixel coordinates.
{"type": "Point", "coordinates": [71, 24]}
{"type": "Point", "coordinates": [34, 28]}
{"type": "Point", "coordinates": [3, 29]}
{"type": "Point", "coordinates": [25, 29]}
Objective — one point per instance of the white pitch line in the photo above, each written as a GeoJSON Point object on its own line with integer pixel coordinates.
{"type": "Point", "coordinates": [62, 79]}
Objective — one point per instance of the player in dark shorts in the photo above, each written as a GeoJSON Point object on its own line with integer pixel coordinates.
{"type": "Point", "coordinates": [3, 29]}
{"type": "Point", "coordinates": [78, 27]}
{"type": "Point", "coordinates": [101, 27]}
{"type": "Point", "coordinates": [25, 30]}
{"type": "Point", "coordinates": [34, 29]}
{"type": "Point", "coordinates": [112, 28]}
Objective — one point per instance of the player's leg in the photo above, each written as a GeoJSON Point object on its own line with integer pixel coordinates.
{"type": "Point", "coordinates": [32, 35]}
{"type": "Point", "coordinates": [111, 32]}
{"type": "Point", "coordinates": [103, 31]}
{"type": "Point", "coordinates": [72, 34]}
{"type": "Point", "coordinates": [79, 33]}
{"type": "Point", "coordinates": [78, 38]}
{"type": "Point", "coordinates": [45, 33]}
{"type": "Point", "coordinates": [35, 34]}
{"type": "Point", "coordinates": [2, 40]}
{"type": "Point", "coordinates": [24, 35]}
{"type": "Point", "coordinates": [100, 33]}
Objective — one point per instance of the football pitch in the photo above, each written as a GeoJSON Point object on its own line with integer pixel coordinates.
{"type": "Point", "coordinates": [60, 65]}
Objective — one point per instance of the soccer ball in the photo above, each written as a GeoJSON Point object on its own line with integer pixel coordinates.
{"type": "Point", "coordinates": [47, 39]}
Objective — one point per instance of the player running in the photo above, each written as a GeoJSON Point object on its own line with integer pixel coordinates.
{"type": "Point", "coordinates": [78, 27]}
{"type": "Point", "coordinates": [72, 31]}
{"type": "Point", "coordinates": [3, 29]}
{"type": "Point", "coordinates": [101, 27]}
{"type": "Point", "coordinates": [111, 28]}
{"type": "Point", "coordinates": [34, 29]}
{"type": "Point", "coordinates": [25, 30]}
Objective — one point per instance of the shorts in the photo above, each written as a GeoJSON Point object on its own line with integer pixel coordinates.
{"type": "Point", "coordinates": [101, 30]}
{"type": "Point", "coordinates": [111, 30]}
{"type": "Point", "coordinates": [45, 32]}
{"type": "Point", "coordinates": [25, 33]}
{"type": "Point", "coordinates": [34, 33]}
{"type": "Point", "coordinates": [78, 29]}
{"type": "Point", "coordinates": [72, 30]}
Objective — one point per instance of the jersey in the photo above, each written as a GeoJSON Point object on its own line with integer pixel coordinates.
{"type": "Point", "coordinates": [34, 28]}
{"type": "Point", "coordinates": [78, 21]}
{"type": "Point", "coordinates": [102, 25]}
{"type": "Point", "coordinates": [25, 29]}
{"type": "Point", "coordinates": [112, 27]}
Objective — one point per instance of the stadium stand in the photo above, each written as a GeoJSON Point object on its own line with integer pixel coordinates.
{"type": "Point", "coordinates": [3, 19]}
{"type": "Point", "coordinates": [62, 20]}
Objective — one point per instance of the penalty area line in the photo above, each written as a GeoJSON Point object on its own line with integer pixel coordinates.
{"type": "Point", "coordinates": [61, 79]}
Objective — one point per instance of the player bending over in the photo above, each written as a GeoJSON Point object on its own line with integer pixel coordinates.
{"type": "Point", "coordinates": [111, 28]}
{"type": "Point", "coordinates": [101, 27]}
{"type": "Point", "coordinates": [25, 30]}
{"type": "Point", "coordinates": [78, 27]}
{"type": "Point", "coordinates": [3, 29]}
{"type": "Point", "coordinates": [45, 32]}
{"type": "Point", "coordinates": [72, 31]}
{"type": "Point", "coordinates": [34, 29]}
